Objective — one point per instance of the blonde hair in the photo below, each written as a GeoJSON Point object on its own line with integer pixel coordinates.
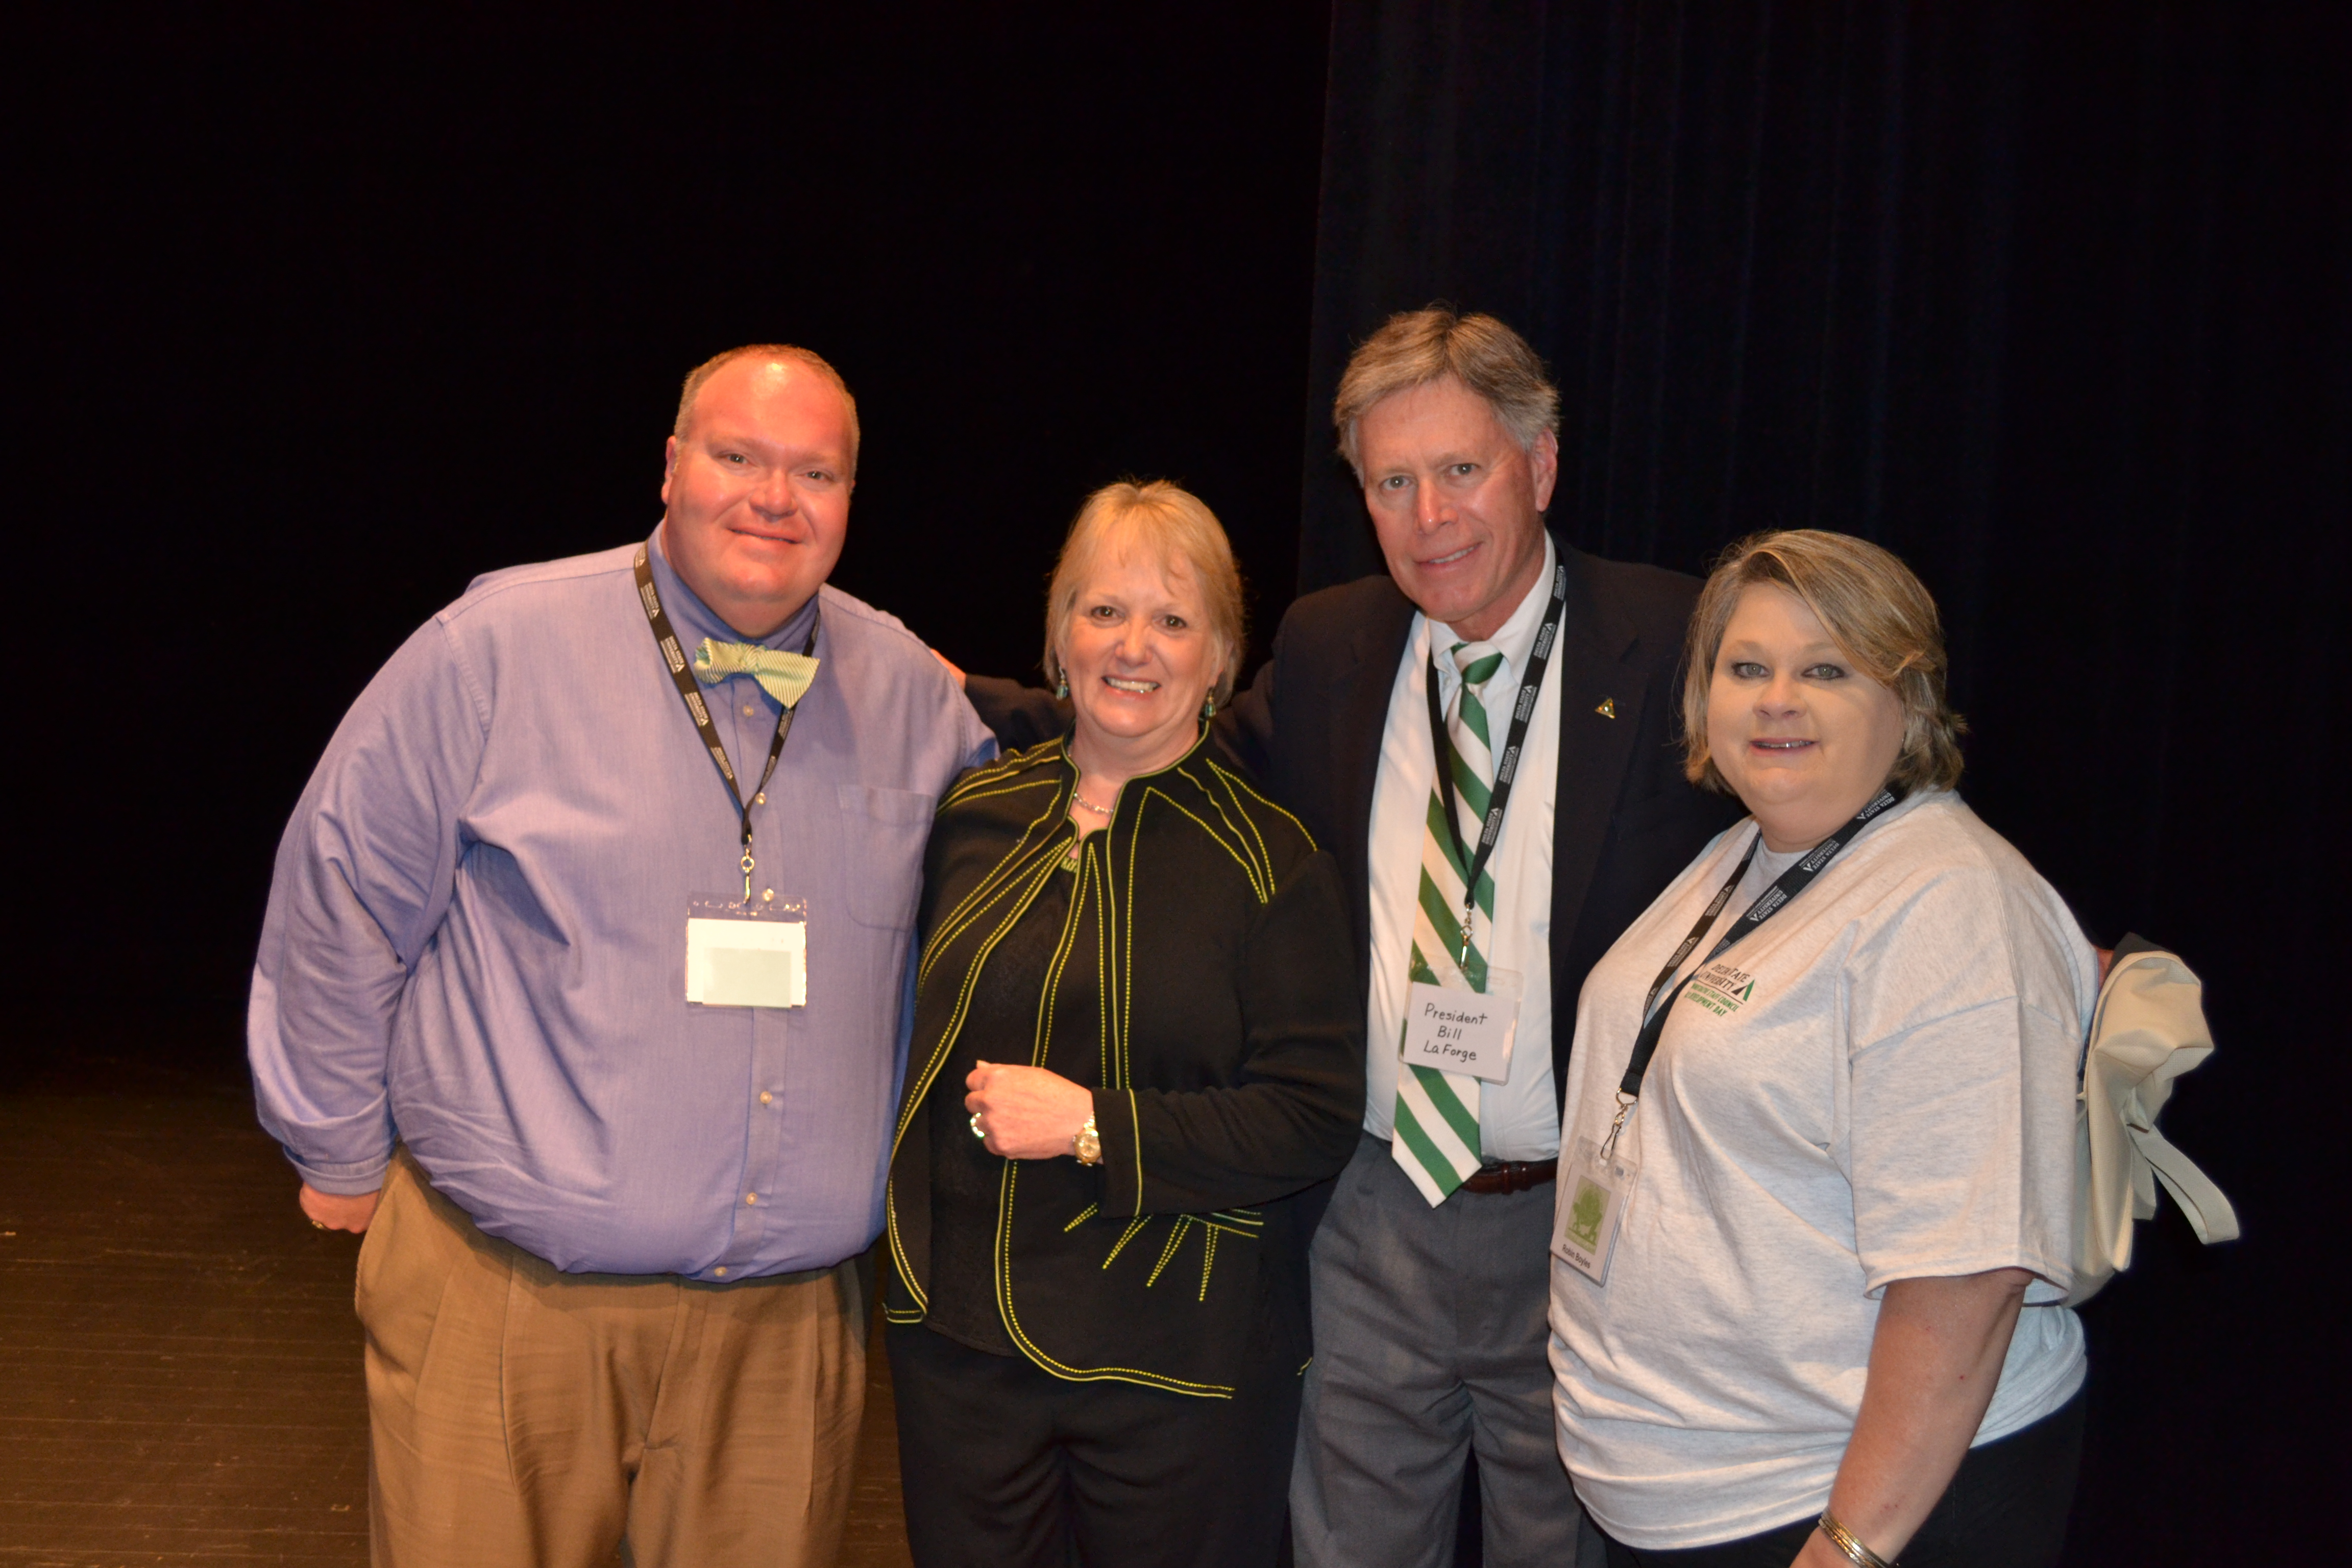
{"type": "Point", "coordinates": [1414, 348]}
{"type": "Point", "coordinates": [1879, 615]}
{"type": "Point", "coordinates": [700, 374]}
{"type": "Point", "coordinates": [1178, 529]}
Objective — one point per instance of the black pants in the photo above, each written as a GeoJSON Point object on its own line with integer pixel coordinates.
{"type": "Point", "coordinates": [1004, 1465]}
{"type": "Point", "coordinates": [2006, 1508]}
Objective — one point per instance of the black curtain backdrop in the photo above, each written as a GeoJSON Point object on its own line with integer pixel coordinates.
{"type": "Point", "coordinates": [322, 311]}
{"type": "Point", "coordinates": [2055, 300]}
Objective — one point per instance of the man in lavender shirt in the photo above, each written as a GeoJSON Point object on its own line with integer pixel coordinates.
{"type": "Point", "coordinates": [610, 1282]}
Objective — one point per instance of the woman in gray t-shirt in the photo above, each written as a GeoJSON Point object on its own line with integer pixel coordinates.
{"type": "Point", "coordinates": [1813, 1227]}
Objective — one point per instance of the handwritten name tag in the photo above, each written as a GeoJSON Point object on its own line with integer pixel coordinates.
{"type": "Point", "coordinates": [1466, 1032]}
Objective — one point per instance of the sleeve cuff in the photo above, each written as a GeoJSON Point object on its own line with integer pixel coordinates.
{"type": "Point", "coordinates": [347, 1180]}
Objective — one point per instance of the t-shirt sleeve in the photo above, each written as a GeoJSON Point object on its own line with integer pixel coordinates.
{"type": "Point", "coordinates": [1960, 1126]}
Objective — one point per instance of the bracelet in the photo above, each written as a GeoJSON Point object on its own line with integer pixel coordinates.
{"type": "Point", "coordinates": [1845, 1540]}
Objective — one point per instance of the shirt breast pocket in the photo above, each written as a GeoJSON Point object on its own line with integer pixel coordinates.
{"type": "Point", "coordinates": [883, 834]}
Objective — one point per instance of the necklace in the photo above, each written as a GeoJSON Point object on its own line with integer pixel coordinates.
{"type": "Point", "coordinates": [1090, 805]}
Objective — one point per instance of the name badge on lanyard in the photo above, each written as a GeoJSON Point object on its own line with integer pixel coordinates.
{"type": "Point", "coordinates": [744, 954]}
{"type": "Point", "coordinates": [1592, 1198]}
{"type": "Point", "coordinates": [739, 953]}
{"type": "Point", "coordinates": [1598, 1181]}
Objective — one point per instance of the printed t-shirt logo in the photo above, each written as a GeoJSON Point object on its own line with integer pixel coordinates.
{"type": "Point", "coordinates": [1722, 989]}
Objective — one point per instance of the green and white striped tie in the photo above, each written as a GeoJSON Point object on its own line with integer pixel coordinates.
{"type": "Point", "coordinates": [1437, 1113]}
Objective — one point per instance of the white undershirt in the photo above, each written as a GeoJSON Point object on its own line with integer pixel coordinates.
{"type": "Point", "coordinates": [1518, 1120]}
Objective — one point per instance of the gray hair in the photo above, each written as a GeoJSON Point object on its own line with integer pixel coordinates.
{"type": "Point", "coordinates": [1179, 530]}
{"type": "Point", "coordinates": [702, 373]}
{"type": "Point", "coordinates": [1414, 348]}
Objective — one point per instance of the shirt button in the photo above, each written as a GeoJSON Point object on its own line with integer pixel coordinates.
{"type": "Point", "coordinates": [748, 710]}
{"type": "Point", "coordinates": [761, 798]}
{"type": "Point", "coordinates": [750, 1197]}
{"type": "Point", "coordinates": [720, 1272]}
{"type": "Point", "coordinates": [766, 1099]}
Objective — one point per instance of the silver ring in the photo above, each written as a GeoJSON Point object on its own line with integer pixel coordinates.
{"type": "Point", "coordinates": [977, 1130]}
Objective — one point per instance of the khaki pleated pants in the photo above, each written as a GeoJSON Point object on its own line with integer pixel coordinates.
{"type": "Point", "coordinates": [522, 1416]}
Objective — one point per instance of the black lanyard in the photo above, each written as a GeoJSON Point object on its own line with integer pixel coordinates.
{"type": "Point", "coordinates": [675, 656]}
{"type": "Point", "coordinates": [1770, 903]}
{"type": "Point", "coordinates": [1507, 761]}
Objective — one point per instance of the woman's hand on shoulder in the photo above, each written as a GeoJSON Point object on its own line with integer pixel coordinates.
{"type": "Point", "coordinates": [1025, 1113]}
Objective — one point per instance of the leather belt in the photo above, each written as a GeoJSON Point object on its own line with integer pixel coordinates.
{"type": "Point", "coordinates": [1512, 1177]}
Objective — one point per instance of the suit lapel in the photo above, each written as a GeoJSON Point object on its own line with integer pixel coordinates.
{"type": "Point", "coordinates": [1594, 747]}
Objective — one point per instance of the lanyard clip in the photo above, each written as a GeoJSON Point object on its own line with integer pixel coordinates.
{"type": "Point", "coordinates": [747, 868]}
{"type": "Point", "coordinates": [1624, 1110]}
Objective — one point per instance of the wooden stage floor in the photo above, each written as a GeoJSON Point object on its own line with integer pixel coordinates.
{"type": "Point", "coordinates": [179, 1366]}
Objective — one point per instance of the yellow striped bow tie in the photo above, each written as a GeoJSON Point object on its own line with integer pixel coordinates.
{"type": "Point", "coordinates": [783, 675]}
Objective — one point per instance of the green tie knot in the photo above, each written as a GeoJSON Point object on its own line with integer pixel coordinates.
{"type": "Point", "coordinates": [1477, 668]}
{"type": "Point", "coordinates": [783, 675]}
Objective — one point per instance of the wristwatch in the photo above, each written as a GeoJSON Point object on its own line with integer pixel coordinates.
{"type": "Point", "coordinates": [1088, 1144]}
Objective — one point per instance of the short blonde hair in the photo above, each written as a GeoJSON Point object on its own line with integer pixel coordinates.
{"type": "Point", "coordinates": [1873, 607]}
{"type": "Point", "coordinates": [1414, 348]}
{"type": "Point", "coordinates": [1179, 530]}
{"type": "Point", "coordinates": [702, 373]}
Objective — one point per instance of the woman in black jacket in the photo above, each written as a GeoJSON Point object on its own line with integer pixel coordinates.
{"type": "Point", "coordinates": [1137, 1049]}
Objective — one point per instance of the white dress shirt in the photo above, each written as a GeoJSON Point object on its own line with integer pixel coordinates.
{"type": "Point", "coordinates": [1518, 1120]}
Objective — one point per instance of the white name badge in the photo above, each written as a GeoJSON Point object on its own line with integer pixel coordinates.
{"type": "Point", "coordinates": [1468, 1031]}
{"type": "Point", "coordinates": [1593, 1192]}
{"type": "Point", "coordinates": [747, 954]}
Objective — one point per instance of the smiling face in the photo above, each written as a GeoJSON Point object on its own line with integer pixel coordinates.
{"type": "Point", "coordinates": [758, 491]}
{"type": "Point", "coordinates": [1801, 735]}
{"type": "Point", "coordinates": [1458, 506]}
{"type": "Point", "coordinates": [1141, 658]}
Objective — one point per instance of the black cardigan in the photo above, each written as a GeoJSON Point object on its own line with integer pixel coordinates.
{"type": "Point", "coordinates": [1230, 1044]}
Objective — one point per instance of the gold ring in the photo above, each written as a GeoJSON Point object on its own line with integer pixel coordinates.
{"type": "Point", "coordinates": [977, 1130]}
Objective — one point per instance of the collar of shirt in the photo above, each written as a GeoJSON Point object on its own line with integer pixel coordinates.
{"type": "Point", "coordinates": [1515, 641]}
{"type": "Point", "coordinates": [695, 620]}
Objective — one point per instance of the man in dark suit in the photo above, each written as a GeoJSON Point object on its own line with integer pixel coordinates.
{"type": "Point", "coordinates": [1555, 704]}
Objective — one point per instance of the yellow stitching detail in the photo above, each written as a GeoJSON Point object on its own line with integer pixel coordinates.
{"type": "Point", "coordinates": [1126, 1236]}
{"type": "Point", "coordinates": [1265, 854]}
{"type": "Point", "coordinates": [1228, 1229]}
{"type": "Point", "coordinates": [1244, 785]}
{"type": "Point", "coordinates": [1208, 1261]}
{"type": "Point", "coordinates": [1257, 883]}
{"type": "Point", "coordinates": [1006, 873]}
{"type": "Point", "coordinates": [1053, 988]}
{"type": "Point", "coordinates": [1175, 1240]}
{"type": "Point", "coordinates": [966, 913]}
{"type": "Point", "coordinates": [1102, 985]}
{"type": "Point", "coordinates": [1084, 1215]}
{"type": "Point", "coordinates": [1136, 1117]}
{"type": "Point", "coordinates": [956, 1015]}
{"type": "Point", "coordinates": [1247, 832]}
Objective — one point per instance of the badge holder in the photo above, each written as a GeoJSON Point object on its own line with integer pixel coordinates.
{"type": "Point", "coordinates": [1450, 1028]}
{"type": "Point", "coordinates": [1594, 1190]}
{"type": "Point", "coordinates": [746, 954]}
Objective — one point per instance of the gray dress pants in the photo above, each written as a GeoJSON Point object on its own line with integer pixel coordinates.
{"type": "Point", "coordinates": [1430, 1341]}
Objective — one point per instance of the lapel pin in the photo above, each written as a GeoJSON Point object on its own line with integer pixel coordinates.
{"type": "Point", "coordinates": [1608, 708]}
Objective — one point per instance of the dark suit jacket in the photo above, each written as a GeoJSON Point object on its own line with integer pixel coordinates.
{"type": "Point", "coordinates": [1625, 822]}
